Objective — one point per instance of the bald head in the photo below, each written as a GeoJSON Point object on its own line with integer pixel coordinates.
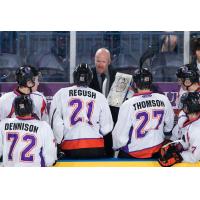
{"type": "Point", "coordinates": [102, 60]}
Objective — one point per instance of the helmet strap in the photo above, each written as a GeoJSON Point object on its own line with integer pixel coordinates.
{"type": "Point", "coordinates": [186, 85]}
{"type": "Point", "coordinates": [30, 88]}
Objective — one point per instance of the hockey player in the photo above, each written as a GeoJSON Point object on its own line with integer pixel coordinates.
{"type": "Point", "coordinates": [143, 120]}
{"type": "Point", "coordinates": [188, 77]}
{"type": "Point", "coordinates": [188, 150]}
{"type": "Point", "coordinates": [25, 141]}
{"type": "Point", "coordinates": [27, 79]}
{"type": "Point", "coordinates": [80, 117]}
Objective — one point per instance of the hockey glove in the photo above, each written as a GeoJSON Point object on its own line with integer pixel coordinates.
{"type": "Point", "coordinates": [169, 155]}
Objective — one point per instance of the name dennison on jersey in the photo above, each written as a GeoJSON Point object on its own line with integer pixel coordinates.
{"type": "Point", "coordinates": [148, 103]}
{"type": "Point", "coordinates": [82, 93]}
{"type": "Point", "coordinates": [21, 126]}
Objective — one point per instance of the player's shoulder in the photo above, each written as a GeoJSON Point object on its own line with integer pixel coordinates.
{"type": "Point", "coordinates": [3, 122]}
{"type": "Point", "coordinates": [45, 127]}
{"type": "Point", "coordinates": [97, 93]}
{"type": "Point", "coordinates": [7, 95]}
{"type": "Point", "coordinates": [194, 129]}
{"type": "Point", "coordinates": [100, 97]}
{"type": "Point", "coordinates": [128, 102]}
{"type": "Point", "coordinates": [182, 114]}
{"type": "Point", "coordinates": [41, 124]}
{"type": "Point", "coordinates": [8, 120]}
{"type": "Point", "coordinates": [160, 96]}
{"type": "Point", "coordinates": [44, 123]}
{"type": "Point", "coordinates": [63, 90]}
{"type": "Point", "coordinates": [138, 97]}
{"type": "Point", "coordinates": [196, 125]}
{"type": "Point", "coordinates": [38, 94]}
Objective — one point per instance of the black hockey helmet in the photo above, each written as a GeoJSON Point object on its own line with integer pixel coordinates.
{"type": "Point", "coordinates": [143, 78]}
{"type": "Point", "coordinates": [23, 105]}
{"type": "Point", "coordinates": [195, 44]}
{"type": "Point", "coordinates": [188, 72]}
{"type": "Point", "coordinates": [83, 75]}
{"type": "Point", "coordinates": [26, 73]}
{"type": "Point", "coordinates": [191, 102]}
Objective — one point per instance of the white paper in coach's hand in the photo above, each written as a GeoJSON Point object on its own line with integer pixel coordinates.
{"type": "Point", "coordinates": [119, 89]}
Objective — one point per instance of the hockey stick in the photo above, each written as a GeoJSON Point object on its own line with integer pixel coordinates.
{"type": "Point", "coordinates": [149, 53]}
{"type": "Point", "coordinates": [173, 142]}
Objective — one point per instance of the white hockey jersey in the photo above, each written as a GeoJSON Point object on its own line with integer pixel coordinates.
{"type": "Point", "coordinates": [141, 124]}
{"type": "Point", "coordinates": [39, 105]}
{"type": "Point", "coordinates": [176, 133]}
{"type": "Point", "coordinates": [182, 118]}
{"type": "Point", "coordinates": [180, 93]}
{"type": "Point", "coordinates": [80, 117]}
{"type": "Point", "coordinates": [191, 140]}
{"type": "Point", "coordinates": [27, 142]}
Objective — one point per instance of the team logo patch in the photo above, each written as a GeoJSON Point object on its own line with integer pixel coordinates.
{"type": "Point", "coordinates": [21, 106]}
{"type": "Point", "coordinates": [82, 78]}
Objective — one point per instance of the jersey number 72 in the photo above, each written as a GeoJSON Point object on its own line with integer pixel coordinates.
{"type": "Point", "coordinates": [25, 154]}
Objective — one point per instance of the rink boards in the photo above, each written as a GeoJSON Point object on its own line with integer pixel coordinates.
{"type": "Point", "coordinates": [114, 162]}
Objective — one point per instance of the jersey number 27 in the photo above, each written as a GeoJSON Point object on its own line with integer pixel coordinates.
{"type": "Point", "coordinates": [144, 118]}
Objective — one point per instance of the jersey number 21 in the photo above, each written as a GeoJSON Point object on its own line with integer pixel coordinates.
{"type": "Point", "coordinates": [78, 107]}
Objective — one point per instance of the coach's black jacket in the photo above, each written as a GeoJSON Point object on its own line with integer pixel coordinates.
{"type": "Point", "coordinates": [95, 83]}
{"type": "Point", "coordinates": [114, 110]}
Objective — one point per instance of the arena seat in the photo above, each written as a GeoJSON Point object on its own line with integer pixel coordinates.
{"type": "Point", "coordinates": [164, 66]}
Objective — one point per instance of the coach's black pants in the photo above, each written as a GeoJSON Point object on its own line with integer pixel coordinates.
{"type": "Point", "coordinates": [108, 141]}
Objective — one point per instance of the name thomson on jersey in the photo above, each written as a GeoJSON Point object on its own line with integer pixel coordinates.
{"type": "Point", "coordinates": [148, 103]}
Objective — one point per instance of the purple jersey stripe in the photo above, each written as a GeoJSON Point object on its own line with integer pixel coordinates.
{"type": "Point", "coordinates": [42, 158]}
